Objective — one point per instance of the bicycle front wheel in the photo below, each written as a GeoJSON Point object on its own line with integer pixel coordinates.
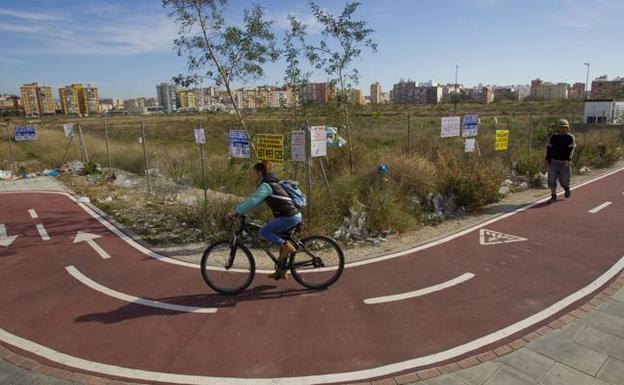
{"type": "Point", "coordinates": [228, 268]}
{"type": "Point", "coordinates": [317, 263]}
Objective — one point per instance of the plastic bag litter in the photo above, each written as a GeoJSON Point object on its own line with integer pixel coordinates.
{"type": "Point", "coordinates": [54, 172]}
{"type": "Point", "coordinates": [6, 175]}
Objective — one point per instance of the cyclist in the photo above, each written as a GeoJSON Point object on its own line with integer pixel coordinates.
{"type": "Point", "coordinates": [286, 215]}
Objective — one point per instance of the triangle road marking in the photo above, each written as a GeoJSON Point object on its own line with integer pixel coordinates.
{"type": "Point", "coordinates": [490, 237]}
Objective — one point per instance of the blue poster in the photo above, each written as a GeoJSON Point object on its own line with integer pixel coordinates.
{"type": "Point", "coordinates": [470, 125]}
{"type": "Point", "coordinates": [25, 133]}
{"type": "Point", "coordinates": [238, 143]}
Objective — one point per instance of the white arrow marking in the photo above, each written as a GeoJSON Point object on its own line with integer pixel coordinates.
{"type": "Point", "coordinates": [43, 232]}
{"type": "Point", "coordinates": [81, 236]}
{"type": "Point", "coordinates": [133, 299]}
{"type": "Point", "coordinates": [33, 213]}
{"type": "Point", "coordinates": [5, 240]}
{"type": "Point", "coordinates": [489, 237]}
{"type": "Point", "coordinates": [418, 293]}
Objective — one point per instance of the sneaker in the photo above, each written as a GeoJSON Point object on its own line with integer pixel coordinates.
{"type": "Point", "coordinates": [553, 198]}
{"type": "Point", "coordinates": [278, 274]}
{"type": "Point", "coordinates": [567, 193]}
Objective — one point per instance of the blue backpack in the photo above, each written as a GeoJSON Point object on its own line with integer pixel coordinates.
{"type": "Point", "coordinates": [292, 189]}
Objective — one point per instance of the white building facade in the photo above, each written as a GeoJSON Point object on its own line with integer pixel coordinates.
{"type": "Point", "coordinates": [603, 112]}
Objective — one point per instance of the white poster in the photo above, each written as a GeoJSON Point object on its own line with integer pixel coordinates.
{"type": "Point", "coordinates": [297, 146]}
{"type": "Point", "coordinates": [319, 141]}
{"type": "Point", "coordinates": [470, 145]}
{"type": "Point", "coordinates": [200, 136]}
{"type": "Point", "coordinates": [470, 125]}
{"type": "Point", "coordinates": [451, 126]}
{"type": "Point", "coordinates": [69, 129]}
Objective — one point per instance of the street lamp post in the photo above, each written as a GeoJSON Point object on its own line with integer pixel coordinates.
{"type": "Point", "coordinates": [587, 82]}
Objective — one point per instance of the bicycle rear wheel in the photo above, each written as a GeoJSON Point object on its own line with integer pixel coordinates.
{"type": "Point", "coordinates": [227, 268]}
{"type": "Point", "coordinates": [318, 264]}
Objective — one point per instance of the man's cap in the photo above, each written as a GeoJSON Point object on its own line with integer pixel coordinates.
{"type": "Point", "coordinates": [564, 123]}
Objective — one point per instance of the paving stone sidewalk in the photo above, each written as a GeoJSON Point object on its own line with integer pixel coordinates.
{"type": "Point", "coordinates": [588, 351]}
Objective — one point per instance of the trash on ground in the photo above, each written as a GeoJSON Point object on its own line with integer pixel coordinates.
{"type": "Point", "coordinates": [84, 200]}
{"type": "Point", "coordinates": [55, 172]}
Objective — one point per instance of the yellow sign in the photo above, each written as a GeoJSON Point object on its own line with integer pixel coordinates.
{"type": "Point", "coordinates": [270, 147]}
{"type": "Point", "coordinates": [502, 140]}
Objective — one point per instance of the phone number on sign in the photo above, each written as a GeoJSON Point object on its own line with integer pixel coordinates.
{"type": "Point", "coordinates": [270, 154]}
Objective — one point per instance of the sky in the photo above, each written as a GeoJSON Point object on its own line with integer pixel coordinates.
{"type": "Point", "coordinates": [125, 47]}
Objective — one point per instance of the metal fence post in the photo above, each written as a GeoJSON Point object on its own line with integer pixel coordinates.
{"type": "Point", "coordinates": [308, 170]}
{"type": "Point", "coordinates": [409, 134]}
{"type": "Point", "coordinates": [108, 154]}
{"type": "Point", "coordinates": [530, 136]}
{"type": "Point", "coordinates": [83, 144]}
{"type": "Point", "coordinates": [203, 168]}
{"type": "Point", "coordinates": [8, 131]}
{"type": "Point", "coordinates": [149, 187]}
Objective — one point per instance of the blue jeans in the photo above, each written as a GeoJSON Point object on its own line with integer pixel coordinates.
{"type": "Point", "coordinates": [269, 231]}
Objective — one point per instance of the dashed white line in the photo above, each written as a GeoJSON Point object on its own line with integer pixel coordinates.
{"type": "Point", "coordinates": [418, 293]}
{"type": "Point", "coordinates": [130, 298]}
{"type": "Point", "coordinates": [33, 213]}
{"type": "Point", "coordinates": [598, 208]}
{"type": "Point", "coordinates": [43, 232]}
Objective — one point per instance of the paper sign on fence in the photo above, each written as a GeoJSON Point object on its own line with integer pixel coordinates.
{"type": "Point", "coordinates": [238, 143]}
{"type": "Point", "coordinates": [450, 126]}
{"type": "Point", "coordinates": [69, 129]}
{"type": "Point", "coordinates": [319, 141]}
{"type": "Point", "coordinates": [270, 147]}
{"type": "Point", "coordinates": [470, 145]}
{"type": "Point", "coordinates": [502, 140]}
{"type": "Point", "coordinates": [470, 125]}
{"type": "Point", "coordinates": [200, 136]}
{"type": "Point", "coordinates": [297, 145]}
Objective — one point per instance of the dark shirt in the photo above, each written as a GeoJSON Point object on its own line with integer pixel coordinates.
{"type": "Point", "coordinates": [560, 147]}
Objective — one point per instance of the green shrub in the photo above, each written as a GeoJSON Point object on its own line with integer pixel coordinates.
{"type": "Point", "coordinates": [472, 183]}
{"type": "Point", "coordinates": [414, 176]}
{"type": "Point", "coordinates": [529, 165]}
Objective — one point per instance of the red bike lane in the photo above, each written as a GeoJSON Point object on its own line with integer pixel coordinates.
{"type": "Point", "coordinates": [279, 330]}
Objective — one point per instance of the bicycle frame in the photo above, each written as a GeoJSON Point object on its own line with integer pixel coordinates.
{"type": "Point", "coordinates": [247, 228]}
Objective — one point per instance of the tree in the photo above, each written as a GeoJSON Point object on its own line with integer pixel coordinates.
{"type": "Point", "coordinates": [344, 38]}
{"type": "Point", "coordinates": [225, 53]}
{"type": "Point", "coordinates": [294, 48]}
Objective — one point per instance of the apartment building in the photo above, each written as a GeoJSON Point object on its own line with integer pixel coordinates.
{"type": "Point", "coordinates": [70, 99]}
{"type": "Point", "coordinates": [410, 92]}
{"type": "Point", "coordinates": [577, 91]}
{"type": "Point", "coordinates": [167, 97]}
{"type": "Point", "coordinates": [484, 95]}
{"type": "Point", "coordinates": [375, 93]}
{"type": "Point", "coordinates": [77, 99]}
{"type": "Point", "coordinates": [37, 100]}
{"type": "Point", "coordinates": [541, 90]}
{"type": "Point", "coordinates": [186, 99]}
{"type": "Point", "coordinates": [317, 93]}
{"type": "Point", "coordinates": [10, 102]}
{"type": "Point", "coordinates": [603, 88]}
{"type": "Point", "coordinates": [505, 93]}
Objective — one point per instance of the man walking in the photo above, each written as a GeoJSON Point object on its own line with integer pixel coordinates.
{"type": "Point", "coordinates": [559, 151]}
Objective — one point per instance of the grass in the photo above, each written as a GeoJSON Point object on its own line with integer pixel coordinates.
{"type": "Point", "coordinates": [396, 201]}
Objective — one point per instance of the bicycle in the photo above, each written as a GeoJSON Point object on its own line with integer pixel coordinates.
{"type": "Point", "coordinates": [228, 266]}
